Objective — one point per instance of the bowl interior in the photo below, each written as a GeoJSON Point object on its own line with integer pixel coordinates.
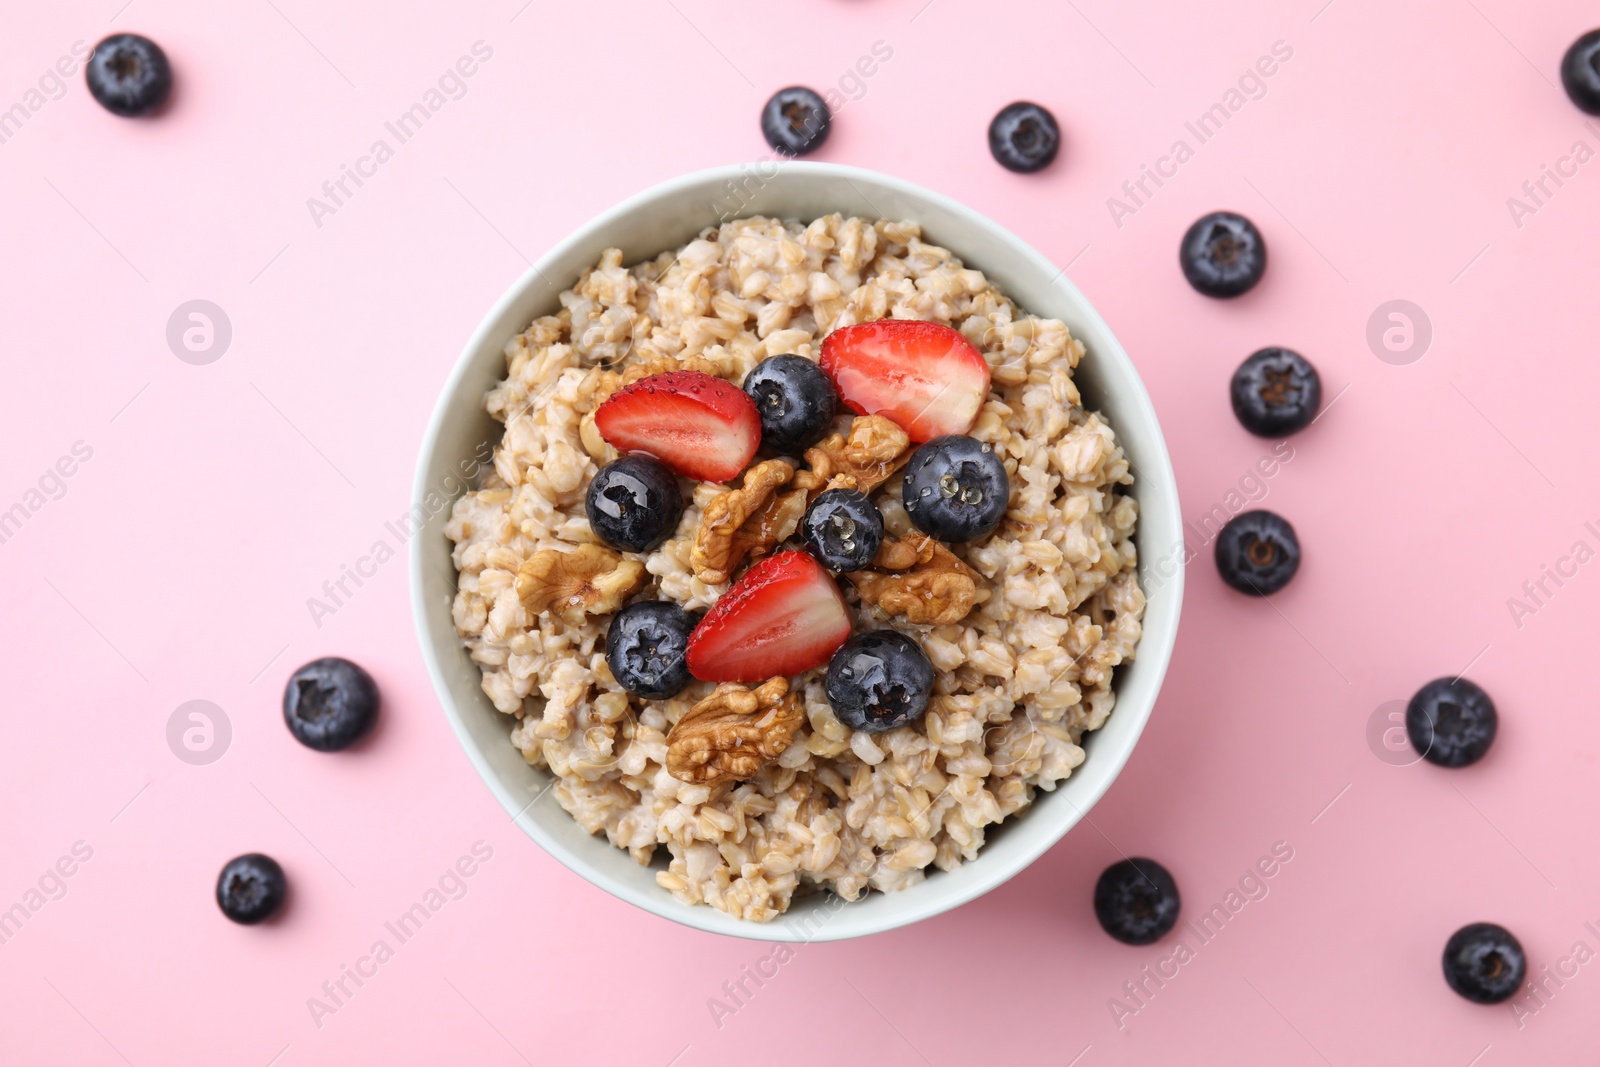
{"type": "Point", "coordinates": [665, 218]}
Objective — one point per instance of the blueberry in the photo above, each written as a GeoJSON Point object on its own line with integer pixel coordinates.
{"type": "Point", "coordinates": [1484, 963]}
{"type": "Point", "coordinates": [1136, 901]}
{"type": "Point", "coordinates": [330, 704]}
{"type": "Point", "coordinates": [647, 648]}
{"type": "Point", "coordinates": [796, 401]}
{"type": "Point", "coordinates": [843, 528]}
{"type": "Point", "coordinates": [1024, 137]}
{"type": "Point", "coordinates": [1580, 72]}
{"type": "Point", "coordinates": [1223, 254]}
{"type": "Point", "coordinates": [879, 681]}
{"type": "Point", "coordinates": [250, 888]}
{"type": "Point", "coordinates": [795, 121]}
{"type": "Point", "coordinates": [1451, 722]}
{"type": "Point", "coordinates": [634, 503]}
{"type": "Point", "coordinates": [1276, 392]}
{"type": "Point", "coordinates": [956, 488]}
{"type": "Point", "coordinates": [1257, 552]}
{"type": "Point", "coordinates": [128, 75]}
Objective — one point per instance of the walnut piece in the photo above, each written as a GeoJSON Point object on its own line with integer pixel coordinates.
{"type": "Point", "coordinates": [875, 449]}
{"type": "Point", "coordinates": [919, 580]}
{"type": "Point", "coordinates": [733, 733]}
{"type": "Point", "coordinates": [591, 579]}
{"type": "Point", "coordinates": [748, 522]}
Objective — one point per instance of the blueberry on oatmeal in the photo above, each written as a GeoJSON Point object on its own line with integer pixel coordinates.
{"type": "Point", "coordinates": [1484, 963]}
{"type": "Point", "coordinates": [1275, 392]}
{"type": "Point", "coordinates": [1580, 72]}
{"type": "Point", "coordinates": [795, 121]}
{"type": "Point", "coordinates": [128, 75]}
{"type": "Point", "coordinates": [251, 888]}
{"type": "Point", "coordinates": [796, 402]}
{"type": "Point", "coordinates": [1451, 722]}
{"type": "Point", "coordinates": [634, 503]}
{"type": "Point", "coordinates": [1257, 553]}
{"type": "Point", "coordinates": [843, 528]}
{"type": "Point", "coordinates": [879, 681]}
{"type": "Point", "coordinates": [330, 704]}
{"type": "Point", "coordinates": [956, 488]}
{"type": "Point", "coordinates": [1136, 901]}
{"type": "Point", "coordinates": [647, 648]}
{"type": "Point", "coordinates": [1222, 254]}
{"type": "Point", "coordinates": [1024, 137]}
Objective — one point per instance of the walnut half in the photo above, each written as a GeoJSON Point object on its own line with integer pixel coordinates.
{"type": "Point", "coordinates": [919, 580]}
{"type": "Point", "coordinates": [591, 579]}
{"type": "Point", "coordinates": [733, 733]}
{"type": "Point", "coordinates": [875, 448]}
{"type": "Point", "coordinates": [748, 522]}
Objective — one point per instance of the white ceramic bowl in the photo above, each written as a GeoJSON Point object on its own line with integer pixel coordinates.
{"type": "Point", "coordinates": [664, 218]}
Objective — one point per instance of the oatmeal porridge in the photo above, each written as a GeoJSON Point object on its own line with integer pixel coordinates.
{"type": "Point", "coordinates": [765, 768]}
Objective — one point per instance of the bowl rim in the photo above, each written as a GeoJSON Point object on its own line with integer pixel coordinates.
{"type": "Point", "coordinates": [1157, 476]}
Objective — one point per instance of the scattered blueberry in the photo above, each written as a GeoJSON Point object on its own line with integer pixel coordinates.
{"type": "Point", "coordinates": [1136, 901]}
{"type": "Point", "coordinates": [1276, 392]}
{"type": "Point", "coordinates": [128, 75]}
{"type": "Point", "coordinates": [1580, 72]}
{"type": "Point", "coordinates": [843, 528]}
{"type": "Point", "coordinates": [330, 704]}
{"type": "Point", "coordinates": [647, 648]}
{"type": "Point", "coordinates": [250, 888]}
{"type": "Point", "coordinates": [1222, 254]}
{"type": "Point", "coordinates": [634, 503]}
{"type": "Point", "coordinates": [1451, 722]}
{"type": "Point", "coordinates": [1257, 552]}
{"type": "Point", "coordinates": [1484, 963]}
{"type": "Point", "coordinates": [956, 488]}
{"type": "Point", "coordinates": [795, 121]}
{"type": "Point", "coordinates": [796, 401]}
{"type": "Point", "coordinates": [879, 681]}
{"type": "Point", "coordinates": [1024, 137]}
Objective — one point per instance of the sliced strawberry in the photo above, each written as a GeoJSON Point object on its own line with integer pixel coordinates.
{"type": "Point", "coordinates": [926, 377]}
{"type": "Point", "coordinates": [696, 423]}
{"type": "Point", "coordinates": [783, 617]}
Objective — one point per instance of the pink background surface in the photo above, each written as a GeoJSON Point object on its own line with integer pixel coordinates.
{"type": "Point", "coordinates": [178, 562]}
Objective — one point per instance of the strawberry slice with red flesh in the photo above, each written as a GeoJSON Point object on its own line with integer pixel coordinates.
{"type": "Point", "coordinates": [926, 377]}
{"type": "Point", "coordinates": [697, 424]}
{"type": "Point", "coordinates": [785, 616]}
